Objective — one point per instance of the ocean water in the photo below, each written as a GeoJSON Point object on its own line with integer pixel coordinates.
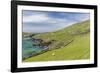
{"type": "Point", "coordinates": [28, 49]}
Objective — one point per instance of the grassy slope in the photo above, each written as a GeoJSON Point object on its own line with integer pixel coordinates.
{"type": "Point", "coordinates": [78, 49]}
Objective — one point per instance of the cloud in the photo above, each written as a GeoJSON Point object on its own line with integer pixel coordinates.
{"type": "Point", "coordinates": [35, 18]}
{"type": "Point", "coordinates": [38, 22]}
{"type": "Point", "coordinates": [39, 17]}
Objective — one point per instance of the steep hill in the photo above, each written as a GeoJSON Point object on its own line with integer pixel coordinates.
{"type": "Point", "coordinates": [70, 43]}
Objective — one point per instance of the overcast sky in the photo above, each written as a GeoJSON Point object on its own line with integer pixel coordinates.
{"type": "Point", "coordinates": [41, 21]}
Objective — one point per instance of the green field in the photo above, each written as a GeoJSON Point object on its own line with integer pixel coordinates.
{"type": "Point", "coordinates": [71, 43]}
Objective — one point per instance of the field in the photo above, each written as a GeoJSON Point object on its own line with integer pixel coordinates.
{"type": "Point", "coordinates": [71, 43]}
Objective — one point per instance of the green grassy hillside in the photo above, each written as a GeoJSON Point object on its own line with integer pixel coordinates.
{"type": "Point", "coordinates": [71, 43]}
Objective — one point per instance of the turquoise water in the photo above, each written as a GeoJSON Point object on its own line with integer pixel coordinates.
{"type": "Point", "coordinates": [28, 49]}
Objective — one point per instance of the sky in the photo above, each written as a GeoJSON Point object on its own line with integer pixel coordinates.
{"type": "Point", "coordinates": [43, 21]}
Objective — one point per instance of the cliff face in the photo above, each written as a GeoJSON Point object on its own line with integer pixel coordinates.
{"type": "Point", "coordinates": [65, 36]}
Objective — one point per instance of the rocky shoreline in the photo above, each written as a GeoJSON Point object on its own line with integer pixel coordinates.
{"type": "Point", "coordinates": [43, 45]}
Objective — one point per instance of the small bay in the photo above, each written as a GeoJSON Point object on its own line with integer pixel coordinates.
{"type": "Point", "coordinates": [28, 49]}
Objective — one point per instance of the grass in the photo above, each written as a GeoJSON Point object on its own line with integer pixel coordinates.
{"type": "Point", "coordinates": [78, 49]}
